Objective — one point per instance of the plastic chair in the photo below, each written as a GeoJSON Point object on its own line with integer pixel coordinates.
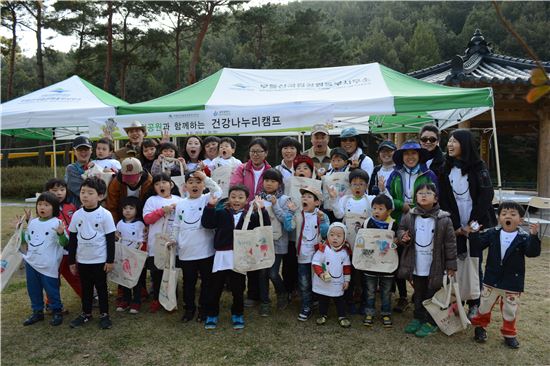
{"type": "Point", "coordinates": [541, 203]}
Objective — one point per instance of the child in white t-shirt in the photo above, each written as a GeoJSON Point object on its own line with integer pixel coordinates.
{"type": "Point", "coordinates": [44, 239]}
{"type": "Point", "coordinates": [92, 250]}
{"type": "Point", "coordinates": [195, 244]}
{"type": "Point", "coordinates": [130, 231]}
{"type": "Point", "coordinates": [158, 213]}
{"type": "Point", "coordinates": [104, 156]}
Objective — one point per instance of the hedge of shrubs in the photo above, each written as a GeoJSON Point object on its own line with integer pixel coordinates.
{"type": "Point", "coordinates": [25, 181]}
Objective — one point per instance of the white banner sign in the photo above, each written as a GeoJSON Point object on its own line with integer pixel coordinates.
{"type": "Point", "coordinates": [215, 122]}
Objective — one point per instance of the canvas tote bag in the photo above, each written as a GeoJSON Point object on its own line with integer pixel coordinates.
{"type": "Point", "coordinates": [340, 181]}
{"type": "Point", "coordinates": [253, 249]}
{"type": "Point", "coordinates": [375, 250]}
{"type": "Point", "coordinates": [11, 258]}
{"type": "Point", "coordinates": [128, 265]}
{"type": "Point", "coordinates": [169, 283]}
{"type": "Point", "coordinates": [467, 276]}
{"type": "Point", "coordinates": [222, 175]}
{"type": "Point", "coordinates": [446, 308]}
{"type": "Point", "coordinates": [353, 223]}
{"type": "Point", "coordinates": [161, 241]}
{"type": "Point", "coordinates": [294, 184]}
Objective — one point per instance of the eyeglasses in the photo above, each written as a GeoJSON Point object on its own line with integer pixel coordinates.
{"type": "Point", "coordinates": [257, 152]}
{"type": "Point", "coordinates": [431, 140]}
{"type": "Point", "coordinates": [429, 193]}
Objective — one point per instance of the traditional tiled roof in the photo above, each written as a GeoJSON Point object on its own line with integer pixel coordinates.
{"type": "Point", "coordinates": [480, 64]}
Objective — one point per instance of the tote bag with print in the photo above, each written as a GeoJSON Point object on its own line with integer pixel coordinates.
{"type": "Point", "coordinates": [375, 250]}
{"type": "Point", "coordinates": [169, 282]}
{"type": "Point", "coordinates": [128, 265]}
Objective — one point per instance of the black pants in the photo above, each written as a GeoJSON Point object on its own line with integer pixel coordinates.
{"type": "Point", "coordinates": [253, 285]}
{"type": "Point", "coordinates": [156, 276]}
{"type": "Point", "coordinates": [93, 275]}
{"type": "Point", "coordinates": [133, 295]}
{"type": "Point", "coordinates": [338, 301]}
{"type": "Point", "coordinates": [236, 283]}
{"type": "Point", "coordinates": [422, 292]}
{"type": "Point", "coordinates": [191, 270]}
{"type": "Point", "coordinates": [356, 286]}
{"type": "Point", "coordinates": [290, 268]}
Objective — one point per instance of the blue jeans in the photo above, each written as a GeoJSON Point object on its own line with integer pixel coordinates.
{"type": "Point", "coordinates": [275, 276]}
{"type": "Point", "coordinates": [37, 283]}
{"type": "Point", "coordinates": [371, 283]}
{"type": "Point", "coordinates": [304, 285]}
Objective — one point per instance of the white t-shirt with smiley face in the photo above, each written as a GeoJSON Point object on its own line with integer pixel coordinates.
{"type": "Point", "coordinates": [91, 228]}
{"type": "Point", "coordinates": [44, 252]}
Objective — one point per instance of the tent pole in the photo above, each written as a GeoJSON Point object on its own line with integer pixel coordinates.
{"type": "Point", "coordinates": [497, 156]}
{"type": "Point", "coordinates": [54, 154]}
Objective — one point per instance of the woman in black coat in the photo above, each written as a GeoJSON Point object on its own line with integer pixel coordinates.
{"type": "Point", "coordinates": [466, 190]}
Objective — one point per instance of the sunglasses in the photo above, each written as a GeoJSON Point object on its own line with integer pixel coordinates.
{"type": "Point", "coordinates": [428, 139]}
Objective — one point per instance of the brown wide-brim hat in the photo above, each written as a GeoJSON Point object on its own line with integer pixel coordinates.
{"type": "Point", "coordinates": [138, 125]}
{"type": "Point", "coordinates": [313, 191]}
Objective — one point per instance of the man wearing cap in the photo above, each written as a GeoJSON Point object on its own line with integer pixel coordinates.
{"type": "Point", "coordinates": [350, 141]}
{"type": "Point", "coordinates": [136, 133]}
{"type": "Point", "coordinates": [73, 173]}
{"type": "Point", "coordinates": [319, 151]}
{"type": "Point", "coordinates": [131, 180]}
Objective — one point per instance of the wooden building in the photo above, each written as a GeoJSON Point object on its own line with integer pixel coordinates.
{"type": "Point", "coordinates": [510, 79]}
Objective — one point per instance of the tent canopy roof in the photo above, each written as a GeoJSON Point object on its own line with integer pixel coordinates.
{"type": "Point", "coordinates": [65, 105]}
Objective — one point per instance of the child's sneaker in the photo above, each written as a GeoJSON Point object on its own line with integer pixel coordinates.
{"type": "Point", "coordinates": [402, 305]}
{"type": "Point", "coordinates": [238, 321]}
{"type": "Point", "coordinates": [154, 307]}
{"type": "Point", "coordinates": [122, 306]}
{"type": "Point", "coordinates": [425, 330]}
{"type": "Point", "coordinates": [57, 318]}
{"type": "Point", "coordinates": [511, 342]}
{"type": "Point", "coordinates": [265, 310]}
{"type": "Point", "coordinates": [211, 322]}
{"type": "Point", "coordinates": [35, 317]}
{"type": "Point", "coordinates": [321, 320]}
{"type": "Point", "coordinates": [386, 321]}
{"type": "Point", "coordinates": [105, 321]}
{"type": "Point", "coordinates": [344, 322]}
{"type": "Point", "coordinates": [304, 315]}
{"type": "Point", "coordinates": [480, 335]}
{"type": "Point", "coordinates": [80, 320]}
{"type": "Point", "coordinates": [134, 308]}
{"type": "Point", "coordinates": [368, 321]}
{"type": "Point", "coordinates": [413, 326]}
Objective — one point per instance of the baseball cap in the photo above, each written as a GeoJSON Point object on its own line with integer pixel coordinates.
{"type": "Point", "coordinates": [81, 141]}
{"type": "Point", "coordinates": [319, 128]}
{"type": "Point", "coordinates": [131, 166]}
{"type": "Point", "coordinates": [386, 144]}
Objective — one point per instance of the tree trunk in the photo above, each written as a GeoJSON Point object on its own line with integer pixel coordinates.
{"type": "Point", "coordinates": [42, 152]}
{"type": "Point", "coordinates": [78, 60]}
{"type": "Point", "coordinates": [108, 61]}
{"type": "Point", "coordinates": [39, 61]}
{"type": "Point", "coordinates": [178, 65]}
{"type": "Point", "coordinates": [11, 70]}
{"type": "Point", "coordinates": [122, 80]}
{"type": "Point", "coordinates": [192, 74]}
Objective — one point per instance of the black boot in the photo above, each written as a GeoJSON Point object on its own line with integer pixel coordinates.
{"type": "Point", "coordinates": [57, 318]}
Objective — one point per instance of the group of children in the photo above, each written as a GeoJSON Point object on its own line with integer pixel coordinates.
{"type": "Point", "coordinates": [401, 196]}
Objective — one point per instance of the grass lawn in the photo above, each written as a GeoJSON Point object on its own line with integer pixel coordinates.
{"type": "Point", "coordinates": [161, 339]}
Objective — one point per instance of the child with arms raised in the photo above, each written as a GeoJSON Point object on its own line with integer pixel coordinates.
{"type": "Point", "coordinates": [44, 238]}
{"type": "Point", "coordinates": [505, 269]}
{"type": "Point", "coordinates": [427, 234]}
{"type": "Point", "coordinates": [332, 267]}
{"type": "Point", "coordinates": [225, 220]}
{"type": "Point", "coordinates": [92, 250]}
{"type": "Point", "coordinates": [195, 244]}
{"type": "Point", "coordinates": [311, 224]}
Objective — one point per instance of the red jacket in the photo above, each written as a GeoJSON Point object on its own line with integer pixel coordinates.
{"type": "Point", "coordinates": [244, 174]}
{"type": "Point", "coordinates": [66, 211]}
